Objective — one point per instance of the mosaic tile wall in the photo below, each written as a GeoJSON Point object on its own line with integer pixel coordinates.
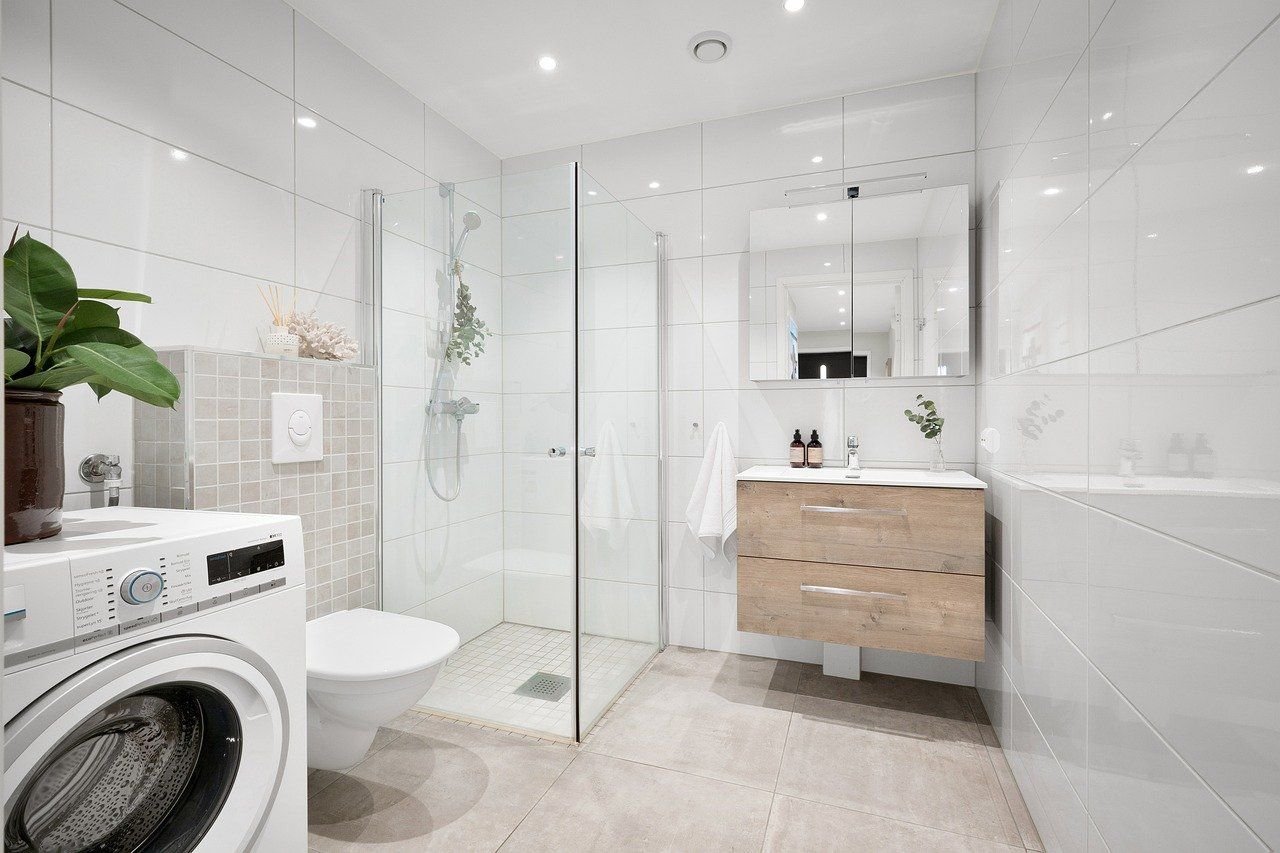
{"type": "Point", "coordinates": [214, 452]}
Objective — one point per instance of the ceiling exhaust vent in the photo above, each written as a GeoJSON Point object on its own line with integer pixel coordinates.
{"type": "Point", "coordinates": [711, 46]}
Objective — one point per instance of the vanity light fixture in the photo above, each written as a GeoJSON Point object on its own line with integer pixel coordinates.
{"type": "Point", "coordinates": [1254, 170]}
{"type": "Point", "coordinates": [306, 121]}
{"type": "Point", "coordinates": [547, 63]}
{"type": "Point", "coordinates": [178, 154]}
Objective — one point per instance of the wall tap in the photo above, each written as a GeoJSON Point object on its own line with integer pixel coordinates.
{"type": "Point", "coordinates": [853, 467]}
{"type": "Point", "coordinates": [105, 469]}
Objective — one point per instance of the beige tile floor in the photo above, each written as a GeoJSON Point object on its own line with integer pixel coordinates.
{"type": "Point", "coordinates": [706, 752]}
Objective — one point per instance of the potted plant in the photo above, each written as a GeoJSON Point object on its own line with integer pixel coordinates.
{"type": "Point", "coordinates": [57, 335]}
{"type": "Point", "coordinates": [930, 424]}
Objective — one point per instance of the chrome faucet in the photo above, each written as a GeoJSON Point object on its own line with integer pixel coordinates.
{"type": "Point", "coordinates": [105, 469]}
{"type": "Point", "coordinates": [458, 408]}
{"type": "Point", "coordinates": [852, 468]}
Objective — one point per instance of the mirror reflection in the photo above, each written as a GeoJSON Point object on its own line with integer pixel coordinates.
{"type": "Point", "coordinates": [873, 287]}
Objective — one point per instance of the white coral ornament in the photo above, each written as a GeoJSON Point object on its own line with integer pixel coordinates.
{"type": "Point", "coordinates": [325, 341]}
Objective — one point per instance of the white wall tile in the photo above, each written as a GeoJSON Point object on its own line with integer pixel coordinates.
{"type": "Point", "coordinates": [454, 156]}
{"type": "Point", "coordinates": [722, 355]}
{"type": "Point", "coordinates": [1060, 816]}
{"type": "Point", "coordinates": [725, 281]}
{"type": "Point", "coordinates": [875, 414]}
{"type": "Point", "coordinates": [537, 242]}
{"type": "Point", "coordinates": [25, 46]}
{"type": "Point", "coordinates": [537, 190]}
{"type": "Point", "coordinates": [684, 618]}
{"type": "Point", "coordinates": [252, 35]}
{"type": "Point", "coordinates": [345, 89]}
{"type": "Point", "coordinates": [470, 611]}
{"type": "Point", "coordinates": [329, 258]}
{"type": "Point", "coordinates": [116, 64]}
{"type": "Point", "coordinates": [769, 416]}
{"type": "Point", "coordinates": [541, 600]}
{"type": "Point", "coordinates": [627, 166]}
{"type": "Point", "coordinates": [795, 140]}
{"type": "Point", "coordinates": [143, 198]}
{"type": "Point", "coordinates": [541, 160]}
{"type": "Point", "coordinates": [906, 122]}
{"type": "Point", "coordinates": [679, 216]}
{"type": "Point", "coordinates": [727, 210]}
{"type": "Point", "coordinates": [27, 158]}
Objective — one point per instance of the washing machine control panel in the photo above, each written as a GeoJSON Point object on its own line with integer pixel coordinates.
{"type": "Point", "coordinates": [86, 596]}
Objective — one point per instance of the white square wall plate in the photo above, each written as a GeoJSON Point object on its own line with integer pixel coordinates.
{"type": "Point", "coordinates": [297, 428]}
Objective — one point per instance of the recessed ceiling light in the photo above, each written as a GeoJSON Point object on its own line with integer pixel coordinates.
{"type": "Point", "coordinates": [653, 185]}
{"type": "Point", "coordinates": [178, 154]}
{"type": "Point", "coordinates": [952, 289]}
{"type": "Point", "coordinates": [793, 5]}
{"type": "Point", "coordinates": [591, 192]}
{"type": "Point", "coordinates": [711, 46]}
{"type": "Point", "coordinates": [826, 263]}
{"type": "Point", "coordinates": [1007, 251]}
{"type": "Point", "coordinates": [1107, 115]}
{"type": "Point", "coordinates": [547, 63]}
{"type": "Point", "coordinates": [307, 122]}
{"type": "Point", "coordinates": [1153, 235]}
{"type": "Point", "coordinates": [1052, 191]}
{"type": "Point", "coordinates": [940, 310]}
{"type": "Point", "coordinates": [842, 309]}
{"type": "Point", "coordinates": [822, 217]}
{"type": "Point", "coordinates": [839, 293]}
{"type": "Point", "coordinates": [1253, 170]}
{"type": "Point", "coordinates": [842, 322]}
{"type": "Point", "coordinates": [817, 158]}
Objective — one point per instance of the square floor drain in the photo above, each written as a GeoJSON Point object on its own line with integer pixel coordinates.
{"type": "Point", "coordinates": [544, 685]}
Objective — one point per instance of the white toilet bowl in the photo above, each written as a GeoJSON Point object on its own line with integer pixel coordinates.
{"type": "Point", "coordinates": [365, 668]}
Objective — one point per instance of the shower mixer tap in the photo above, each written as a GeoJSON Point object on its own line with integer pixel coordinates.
{"type": "Point", "coordinates": [458, 408]}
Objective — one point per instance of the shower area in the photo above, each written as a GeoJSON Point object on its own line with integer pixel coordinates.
{"type": "Point", "coordinates": [518, 346]}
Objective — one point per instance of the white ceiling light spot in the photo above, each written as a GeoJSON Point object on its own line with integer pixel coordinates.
{"type": "Point", "coordinates": [1254, 170]}
{"type": "Point", "coordinates": [793, 5]}
{"type": "Point", "coordinates": [178, 154]}
{"type": "Point", "coordinates": [817, 158]}
{"type": "Point", "coordinates": [1051, 191]}
{"type": "Point", "coordinates": [842, 309]}
{"type": "Point", "coordinates": [826, 263]}
{"type": "Point", "coordinates": [940, 310]}
{"type": "Point", "coordinates": [547, 63]}
{"type": "Point", "coordinates": [822, 217]}
{"type": "Point", "coordinates": [306, 121]}
{"type": "Point", "coordinates": [591, 192]}
{"type": "Point", "coordinates": [711, 46]}
{"type": "Point", "coordinates": [1107, 115]}
{"type": "Point", "coordinates": [842, 322]}
{"type": "Point", "coordinates": [653, 185]}
{"type": "Point", "coordinates": [1153, 235]}
{"type": "Point", "coordinates": [952, 289]}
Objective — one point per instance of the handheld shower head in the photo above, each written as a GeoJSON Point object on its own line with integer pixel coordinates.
{"type": "Point", "coordinates": [470, 222]}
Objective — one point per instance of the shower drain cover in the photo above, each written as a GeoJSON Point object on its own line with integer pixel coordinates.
{"type": "Point", "coordinates": [544, 685]}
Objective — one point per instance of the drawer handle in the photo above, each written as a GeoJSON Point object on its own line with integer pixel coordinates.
{"type": "Point", "coordinates": [861, 593]}
{"type": "Point", "coordinates": [855, 510]}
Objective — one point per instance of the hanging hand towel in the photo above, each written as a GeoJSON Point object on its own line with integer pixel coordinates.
{"type": "Point", "coordinates": [713, 510]}
{"type": "Point", "coordinates": [607, 505]}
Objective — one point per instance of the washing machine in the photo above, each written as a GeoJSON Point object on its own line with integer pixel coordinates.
{"type": "Point", "coordinates": [155, 684]}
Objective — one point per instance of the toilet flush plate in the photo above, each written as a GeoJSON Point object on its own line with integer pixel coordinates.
{"type": "Point", "coordinates": [297, 428]}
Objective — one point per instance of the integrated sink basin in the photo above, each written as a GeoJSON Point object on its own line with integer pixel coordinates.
{"type": "Point", "coordinates": [835, 475]}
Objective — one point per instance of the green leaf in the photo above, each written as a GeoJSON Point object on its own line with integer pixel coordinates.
{"type": "Point", "coordinates": [88, 314]}
{"type": "Point", "coordinates": [39, 286]}
{"type": "Point", "coordinates": [98, 334]}
{"type": "Point", "coordinates": [118, 295]}
{"type": "Point", "coordinates": [55, 378]}
{"type": "Point", "coordinates": [14, 360]}
{"type": "Point", "coordinates": [133, 371]}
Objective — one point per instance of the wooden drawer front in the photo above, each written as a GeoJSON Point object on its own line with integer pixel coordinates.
{"type": "Point", "coordinates": [899, 527]}
{"type": "Point", "coordinates": [933, 613]}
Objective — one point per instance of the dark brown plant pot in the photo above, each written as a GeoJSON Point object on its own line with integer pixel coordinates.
{"type": "Point", "coordinates": [33, 467]}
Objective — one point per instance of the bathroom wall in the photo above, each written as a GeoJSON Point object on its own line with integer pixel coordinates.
{"type": "Point", "coordinates": [706, 178]}
{"type": "Point", "coordinates": [213, 452]}
{"type": "Point", "coordinates": [1129, 168]}
{"type": "Point", "coordinates": [157, 145]}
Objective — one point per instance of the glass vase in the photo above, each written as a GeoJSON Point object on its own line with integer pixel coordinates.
{"type": "Point", "coordinates": [938, 463]}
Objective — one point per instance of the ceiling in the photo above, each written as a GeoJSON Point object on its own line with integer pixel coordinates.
{"type": "Point", "coordinates": [624, 65]}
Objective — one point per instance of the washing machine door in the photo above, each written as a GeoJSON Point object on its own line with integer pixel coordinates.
{"type": "Point", "coordinates": [173, 745]}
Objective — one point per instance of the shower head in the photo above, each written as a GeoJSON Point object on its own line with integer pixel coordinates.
{"type": "Point", "coordinates": [470, 222]}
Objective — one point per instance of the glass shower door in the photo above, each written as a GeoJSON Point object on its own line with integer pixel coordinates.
{"type": "Point", "coordinates": [619, 461]}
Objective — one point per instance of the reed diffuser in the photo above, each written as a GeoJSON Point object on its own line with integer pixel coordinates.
{"type": "Point", "coordinates": [279, 341]}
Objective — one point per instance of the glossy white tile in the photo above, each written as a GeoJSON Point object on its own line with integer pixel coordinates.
{"type": "Point", "coordinates": [24, 44]}
{"type": "Point", "coordinates": [118, 65]}
{"type": "Point", "coordinates": [906, 122]}
{"type": "Point", "coordinates": [795, 140]}
{"type": "Point", "coordinates": [679, 216]}
{"type": "Point", "coordinates": [875, 414]}
{"type": "Point", "coordinates": [726, 210]}
{"type": "Point", "coordinates": [27, 128]}
{"type": "Point", "coordinates": [647, 164]}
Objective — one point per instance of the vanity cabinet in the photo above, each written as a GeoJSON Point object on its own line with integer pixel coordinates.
{"type": "Point", "coordinates": [864, 563]}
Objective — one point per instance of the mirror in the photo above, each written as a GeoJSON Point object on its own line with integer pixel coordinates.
{"type": "Point", "coordinates": [873, 287]}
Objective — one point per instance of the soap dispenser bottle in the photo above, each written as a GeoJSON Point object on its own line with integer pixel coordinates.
{"type": "Point", "coordinates": [797, 451]}
{"type": "Point", "coordinates": [813, 452]}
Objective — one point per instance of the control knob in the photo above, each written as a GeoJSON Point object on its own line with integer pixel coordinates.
{"type": "Point", "coordinates": [141, 586]}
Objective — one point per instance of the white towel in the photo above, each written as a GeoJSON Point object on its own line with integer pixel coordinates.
{"type": "Point", "coordinates": [607, 505]}
{"type": "Point", "coordinates": [713, 510]}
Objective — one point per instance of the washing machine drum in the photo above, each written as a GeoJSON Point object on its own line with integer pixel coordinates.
{"type": "Point", "coordinates": [170, 746]}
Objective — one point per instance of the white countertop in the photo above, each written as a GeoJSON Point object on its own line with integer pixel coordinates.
{"type": "Point", "coordinates": [869, 477]}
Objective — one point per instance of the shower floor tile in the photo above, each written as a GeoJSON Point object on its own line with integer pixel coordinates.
{"type": "Point", "coordinates": [481, 678]}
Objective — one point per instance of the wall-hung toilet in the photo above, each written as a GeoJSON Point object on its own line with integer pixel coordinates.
{"type": "Point", "coordinates": [365, 668]}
